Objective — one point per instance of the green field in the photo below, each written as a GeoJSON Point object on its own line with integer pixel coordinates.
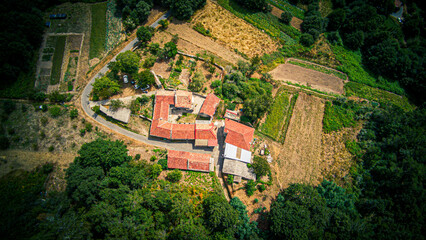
{"type": "Point", "coordinates": [352, 66]}
{"type": "Point", "coordinates": [277, 115]}
{"type": "Point", "coordinates": [98, 30]}
{"type": "Point", "coordinates": [286, 6]}
{"type": "Point", "coordinates": [58, 55]}
{"type": "Point", "coordinates": [377, 95]}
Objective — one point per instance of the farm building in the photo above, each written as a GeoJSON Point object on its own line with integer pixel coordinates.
{"type": "Point", "coordinates": [209, 105]}
{"type": "Point", "coordinates": [204, 134]}
{"type": "Point", "coordinates": [239, 138]}
{"type": "Point", "coordinates": [190, 161]}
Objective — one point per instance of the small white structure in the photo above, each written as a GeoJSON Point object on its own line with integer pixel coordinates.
{"type": "Point", "coordinates": [121, 114]}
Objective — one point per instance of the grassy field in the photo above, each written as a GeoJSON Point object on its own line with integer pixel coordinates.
{"type": "Point", "coordinates": [337, 117]}
{"type": "Point", "coordinates": [286, 6]}
{"type": "Point", "coordinates": [57, 60]}
{"type": "Point", "coordinates": [319, 69]}
{"type": "Point", "coordinates": [352, 66]}
{"type": "Point", "coordinates": [98, 30]}
{"type": "Point", "coordinates": [277, 115]}
{"type": "Point", "coordinates": [267, 22]}
{"type": "Point", "coordinates": [377, 95]}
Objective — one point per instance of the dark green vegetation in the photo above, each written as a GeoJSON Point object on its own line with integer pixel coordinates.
{"type": "Point", "coordinates": [104, 87]}
{"type": "Point", "coordinates": [144, 34]}
{"type": "Point", "coordinates": [110, 196]}
{"type": "Point", "coordinates": [340, 114]}
{"type": "Point", "coordinates": [98, 30]}
{"type": "Point", "coordinates": [135, 12]}
{"type": "Point", "coordinates": [57, 60]}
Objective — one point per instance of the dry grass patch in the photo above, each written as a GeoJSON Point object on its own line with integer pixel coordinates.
{"type": "Point", "coordinates": [233, 31]}
{"type": "Point", "coordinates": [300, 156]}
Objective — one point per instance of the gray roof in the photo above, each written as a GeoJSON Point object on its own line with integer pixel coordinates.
{"type": "Point", "coordinates": [121, 114]}
{"type": "Point", "coordinates": [237, 168]}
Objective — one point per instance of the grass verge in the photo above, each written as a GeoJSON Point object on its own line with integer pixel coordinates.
{"type": "Point", "coordinates": [288, 117]}
{"type": "Point", "coordinates": [98, 30]}
{"type": "Point", "coordinates": [276, 116]}
{"type": "Point", "coordinates": [57, 60]}
{"type": "Point", "coordinates": [319, 69]}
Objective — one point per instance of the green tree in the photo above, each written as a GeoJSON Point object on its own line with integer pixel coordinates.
{"type": "Point", "coordinates": [260, 166]}
{"type": "Point", "coordinates": [145, 78]}
{"type": "Point", "coordinates": [144, 34]}
{"type": "Point", "coordinates": [83, 184]}
{"type": "Point", "coordinates": [245, 228]}
{"type": "Point", "coordinates": [169, 50]}
{"type": "Point", "coordinates": [127, 62]}
{"type": "Point", "coordinates": [197, 82]}
{"type": "Point", "coordinates": [174, 176]}
{"type": "Point", "coordinates": [73, 113]}
{"type": "Point", "coordinates": [156, 169]}
{"type": "Point", "coordinates": [336, 19]}
{"type": "Point", "coordinates": [286, 17]}
{"type": "Point", "coordinates": [307, 39]}
{"type": "Point", "coordinates": [255, 108]}
{"type": "Point", "coordinates": [115, 104]}
{"type": "Point", "coordinates": [219, 215]}
{"type": "Point", "coordinates": [104, 87]}
{"type": "Point", "coordinates": [102, 153]}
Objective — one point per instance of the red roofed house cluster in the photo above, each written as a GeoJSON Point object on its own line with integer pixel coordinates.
{"type": "Point", "coordinates": [209, 105]}
{"type": "Point", "coordinates": [204, 134]}
{"type": "Point", "coordinates": [190, 161]}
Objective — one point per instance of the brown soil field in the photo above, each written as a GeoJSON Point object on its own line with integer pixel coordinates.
{"type": "Point", "coordinates": [276, 11]}
{"type": "Point", "coordinates": [299, 159]}
{"type": "Point", "coordinates": [234, 32]}
{"type": "Point", "coordinates": [296, 23]}
{"type": "Point", "coordinates": [312, 78]}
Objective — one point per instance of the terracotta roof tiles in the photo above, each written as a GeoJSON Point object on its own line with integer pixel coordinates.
{"type": "Point", "coordinates": [210, 104]}
{"type": "Point", "coordinates": [183, 131]}
{"type": "Point", "coordinates": [238, 134]}
{"type": "Point", "coordinates": [188, 160]}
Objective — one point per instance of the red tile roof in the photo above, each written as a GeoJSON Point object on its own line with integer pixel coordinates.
{"type": "Point", "coordinates": [238, 134]}
{"type": "Point", "coordinates": [183, 99]}
{"type": "Point", "coordinates": [161, 128]}
{"type": "Point", "coordinates": [208, 132]}
{"type": "Point", "coordinates": [210, 104]}
{"type": "Point", "coordinates": [161, 111]}
{"type": "Point", "coordinates": [188, 160]}
{"type": "Point", "coordinates": [183, 131]}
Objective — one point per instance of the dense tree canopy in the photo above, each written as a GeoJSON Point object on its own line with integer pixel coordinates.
{"type": "Point", "coordinates": [104, 87]}
{"type": "Point", "coordinates": [126, 62]}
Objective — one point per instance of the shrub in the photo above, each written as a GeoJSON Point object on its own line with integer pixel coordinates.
{"type": "Point", "coordinates": [115, 104]}
{"type": "Point", "coordinates": [307, 39]}
{"type": "Point", "coordinates": [261, 188]}
{"type": "Point", "coordinates": [9, 106]}
{"type": "Point", "coordinates": [230, 179]}
{"type": "Point", "coordinates": [4, 142]}
{"type": "Point", "coordinates": [256, 200]}
{"type": "Point", "coordinates": [51, 148]}
{"type": "Point", "coordinates": [174, 176]}
{"type": "Point", "coordinates": [154, 48]}
{"type": "Point", "coordinates": [153, 158]}
{"type": "Point", "coordinates": [88, 127]}
{"type": "Point", "coordinates": [250, 187]}
{"type": "Point", "coordinates": [156, 170]}
{"type": "Point", "coordinates": [215, 84]}
{"type": "Point", "coordinates": [149, 62]}
{"type": "Point", "coordinates": [138, 156]}
{"type": "Point", "coordinates": [163, 163]}
{"type": "Point", "coordinates": [260, 166]}
{"type": "Point", "coordinates": [164, 23]}
{"type": "Point", "coordinates": [286, 17]}
{"type": "Point", "coordinates": [96, 109]}
{"type": "Point", "coordinates": [73, 113]}
{"type": "Point", "coordinates": [55, 111]}
{"type": "Point", "coordinates": [42, 134]}
{"type": "Point", "coordinates": [82, 132]}
{"type": "Point", "coordinates": [35, 147]}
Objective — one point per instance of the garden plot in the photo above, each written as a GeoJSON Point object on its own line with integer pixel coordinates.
{"type": "Point", "coordinates": [311, 78]}
{"type": "Point", "coordinates": [234, 32]}
{"type": "Point", "coordinates": [299, 159]}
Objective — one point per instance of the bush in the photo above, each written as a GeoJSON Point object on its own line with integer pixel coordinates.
{"type": "Point", "coordinates": [55, 111]}
{"type": "Point", "coordinates": [261, 188]}
{"type": "Point", "coordinates": [215, 84]}
{"type": "Point", "coordinates": [44, 108]}
{"type": "Point", "coordinates": [82, 132]}
{"type": "Point", "coordinates": [230, 179]}
{"type": "Point", "coordinates": [154, 48]}
{"type": "Point", "coordinates": [138, 156]}
{"type": "Point", "coordinates": [286, 17]}
{"type": "Point", "coordinates": [115, 104]}
{"type": "Point", "coordinates": [88, 127]}
{"type": "Point", "coordinates": [149, 62]}
{"type": "Point", "coordinates": [260, 166]}
{"type": "Point", "coordinates": [174, 176]}
{"type": "Point", "coordinates": [51, 148]}
{"type": "Point", "coordinates": [307, 39]}
{"type": "Point", "coordinates": [9, 106]}
{"type": "Point", "coordinates": [163, 163]}
{"type": "Point", "coordinates": [250, 187]}
{"type": "Point", "coordinates": [164, 23]}
{"type": "Point", "coordinates": [73, 113]}
{"type": "Point", "coordinates": [44, 120]}
{"type": "Point", "coordinates": [156, 170]}
{"type": "Point", "coordinates": [4, 142]}
{"type": "Point", "coordinates": [153, 158]}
